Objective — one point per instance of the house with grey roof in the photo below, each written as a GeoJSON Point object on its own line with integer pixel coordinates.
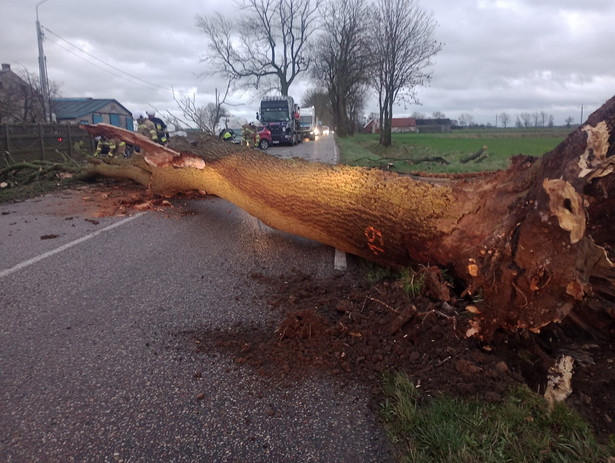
{"type": "Point", "coordinates": [20, 101]}
{"type": "Point", "coordinates": [91, 111]}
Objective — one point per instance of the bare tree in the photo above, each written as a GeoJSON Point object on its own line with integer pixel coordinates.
{"type": "Point", "coordinates": [504, 119]}
{"type": "Point", "coordinates": [174, 120]}
{"type": "Point", "coordinates": [544, 117]}
{"type": "Point", "coordinates": [569, 121]}
{"type": "Point", "coordinates": [206, 117]}
{"type": "Point", "coordinates": [269, 45]}
{"type": "Point", "coordinates": [466, 120]}
{"type": "Point", "coordinates": [402, 44]}
{"type": "Point", "coordinates": [525, 119]}
{"type": "Point", "coordinates": [438, 115]}
{"type": "Point", "coordinates": [341, 58]}
{"type": "Point", "coordinates": [319, 99]}
{"type": "Point", "coordinates": [213, 113]}
{"type": "Point", "coordinates": [20, 97]}
{"type": "Point", "coordinates": [536, 118]}
{"type": "Point", "coordinates": [355, 105]}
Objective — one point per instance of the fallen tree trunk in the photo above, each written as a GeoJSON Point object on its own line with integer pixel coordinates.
{"type": "Point", "coordinates": [534, 240]}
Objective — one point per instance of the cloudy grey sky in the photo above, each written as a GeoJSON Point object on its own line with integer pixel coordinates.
{"type": "Point", "coordinates": [499, 56]}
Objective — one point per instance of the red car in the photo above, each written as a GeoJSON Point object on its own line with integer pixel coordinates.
{"type": "Point", "coordinates": [265, 137]}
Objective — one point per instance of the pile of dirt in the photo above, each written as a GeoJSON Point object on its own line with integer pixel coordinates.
{"type": "Point", "coordinates": [346, 327]}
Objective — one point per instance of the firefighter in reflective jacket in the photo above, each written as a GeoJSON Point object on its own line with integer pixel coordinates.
{"type": "Point", "coordinates": [161, 127]}
{"type": "Point", "coordinates": [110, 146]}
{"type": "Point", "coordinates": [249, 136]}
{"type": "Point", "coordinates": [120, 148]}
{"type": "Point", "coordinates": [146, 127]}
{"type": "Point", "coordinates": [227, 135]}
{"type": "Point", "coordinates": [104, 146]}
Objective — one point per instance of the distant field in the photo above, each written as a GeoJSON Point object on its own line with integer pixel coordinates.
{"type": "Point", "coordinates": [410, 152]}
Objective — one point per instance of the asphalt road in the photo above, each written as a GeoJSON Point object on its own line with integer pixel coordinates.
{"type": "Point", "coordinates": [97, 363]}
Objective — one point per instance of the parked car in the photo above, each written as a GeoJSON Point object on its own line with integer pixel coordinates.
{"type": "Point", "coordinates": [236, 135]}
{"type": "Point", "coordinates": [265, 137]}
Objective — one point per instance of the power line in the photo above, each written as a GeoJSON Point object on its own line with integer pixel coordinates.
{"type": "Point", "coordinates": [90, 62]}
{"type": "Point", "coordinates": [99, 60]}
{"type": "Point", "coordinates": [109, 68]}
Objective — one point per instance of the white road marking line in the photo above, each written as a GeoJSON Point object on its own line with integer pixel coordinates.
{"type": "Point", "coordinates": [335, 154]}
{"type": "Point", "coordinates": [339, 263]}
{"type": "Point", "coordinates": [66, 246]}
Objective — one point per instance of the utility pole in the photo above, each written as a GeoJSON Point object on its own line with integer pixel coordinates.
{"type": "Point", "coordinates": [42, 67]}
{"type": "Point", "coordinates": [581, 115]}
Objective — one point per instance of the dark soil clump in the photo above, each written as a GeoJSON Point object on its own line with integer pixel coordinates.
{"type": "Point", "coordinates": [347, 327]}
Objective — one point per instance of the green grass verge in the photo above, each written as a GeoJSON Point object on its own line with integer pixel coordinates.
{"type": "Point", "coordinates": [519, 429]}
{"type": "Point", "coordinates": [409, 150]}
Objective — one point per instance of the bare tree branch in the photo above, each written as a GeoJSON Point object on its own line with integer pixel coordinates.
{"type": "Point", "coordinates": [22, 99]}
{"type": "Point", "coordinates": [342, 59]}
{"type": "Point", "coordinates": [269, 45]}
{"type": "Point", "coordinates": [402, 43]}
{"type": "Point", "coordinates": [204, 117]}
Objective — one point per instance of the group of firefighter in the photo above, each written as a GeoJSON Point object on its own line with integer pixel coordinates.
{"type": "Point", "coordinates": [155, 129]}
{"type": "Point", "coordinates": [148, 124]}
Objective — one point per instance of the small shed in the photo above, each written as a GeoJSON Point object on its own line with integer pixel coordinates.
{"type": "Point", "coordinates": [91, 111]}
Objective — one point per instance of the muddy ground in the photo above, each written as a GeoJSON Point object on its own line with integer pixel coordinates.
{"type": "Point", "coordinates": [352, 329]}
{"type": "Point", "coordinates": [347, 327]}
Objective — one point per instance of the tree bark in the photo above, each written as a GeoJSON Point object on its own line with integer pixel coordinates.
{"type": "Point", "coordinates": [532, 244]}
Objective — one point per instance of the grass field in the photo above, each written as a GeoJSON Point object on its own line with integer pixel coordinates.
{"type": "Point", "coordinates": [519, 429]}
{"type": "Point", "coordinates": [411, 152]}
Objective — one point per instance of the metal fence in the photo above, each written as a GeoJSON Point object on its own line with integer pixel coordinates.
{"type": "Point", "coordinates": [50, 142]}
